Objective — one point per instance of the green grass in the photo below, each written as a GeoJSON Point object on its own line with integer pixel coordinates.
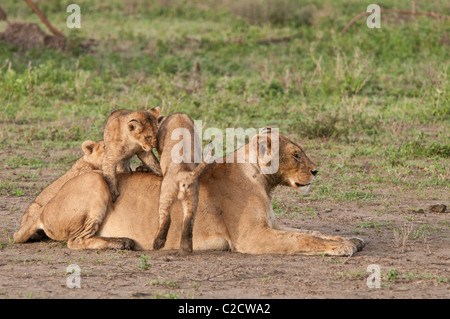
{"type": "Point", "coordinates": [143, 262]}
{"type": "Point", "coordinates": [371, 107]}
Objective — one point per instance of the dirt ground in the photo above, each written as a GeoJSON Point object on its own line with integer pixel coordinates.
{"type": "Point", "coordinates": [416, 268]}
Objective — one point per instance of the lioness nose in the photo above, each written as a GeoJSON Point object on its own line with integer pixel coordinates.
{"type": "Point", "coordinates": [314, 172]}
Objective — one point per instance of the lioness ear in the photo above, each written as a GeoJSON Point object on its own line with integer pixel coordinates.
{"type": "Point", "coordinates": [260, 143]}
{"type": "Point", "coordinates": [265, 130]}
{"type": "Point", "coordinates": [265, 147]}
{"type": "Point", "coordinates": [156, 111]}
{"type": "Point", "coordinates": [88, 147]}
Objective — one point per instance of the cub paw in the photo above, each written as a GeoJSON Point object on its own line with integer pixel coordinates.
{"type": "Point", "coordinates": [114, 196]}
{"type": "Point", "coordinates": [142, 169]}
{"type": "Point", "coordinates": [158, 243]}
{"type": "Point", "coordinates": [127, 243]}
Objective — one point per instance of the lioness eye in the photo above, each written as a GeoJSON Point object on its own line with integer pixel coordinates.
{"type": "Point", "coordinates": [297, 156]}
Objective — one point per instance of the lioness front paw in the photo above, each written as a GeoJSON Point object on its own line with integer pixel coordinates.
{"type": "Point", "coordinates": [348, 247]}
{"type": "Point", "coordinates": [360, 243]}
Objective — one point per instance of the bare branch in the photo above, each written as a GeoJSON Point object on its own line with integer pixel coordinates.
{"type": "Point", "coordinates": [43, 19]}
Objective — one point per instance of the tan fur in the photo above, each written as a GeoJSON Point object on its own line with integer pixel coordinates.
{"type": "Point", "coordinates": [234, 208]}
{"type": "Point", "coordinates": [92, 160]}
{"type": "Point", "coordinates": [128, 133]}
{"type": "Point", "coordinates": [180, 180]}
{"type": "Point", "coordinates": [72, 219]}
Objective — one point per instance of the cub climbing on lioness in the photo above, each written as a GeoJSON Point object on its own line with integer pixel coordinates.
{"type": "Point", "coordinates": [129, 133]}
{"type": "Point", "coordinates": [177, 147]}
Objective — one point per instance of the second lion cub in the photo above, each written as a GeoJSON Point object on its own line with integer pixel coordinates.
{"type": "Point", "coordinates": [180, 176]}
{"type": "Point", "coordinates": [128, 133]}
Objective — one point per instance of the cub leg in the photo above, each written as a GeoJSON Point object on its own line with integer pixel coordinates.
{"type": "Point", "coordinates": [109, 168]}
{"type": "Point", "coordinates": [150, 162]}
{"type": "Point", "coordinates": [189, 204]}
{"type": "Point", "coordinates": [82, 234]}
{"type": "Point", "coordinates": [169, 191]}
{"type": "Point", "coordinates": [97, 242]}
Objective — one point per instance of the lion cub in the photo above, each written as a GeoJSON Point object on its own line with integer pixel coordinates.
{"type": "Point", "coordinates": [128, 133]}
{"type": "Point", "coordinates": [180, 179]}
{"type": "Point", "coordinates": [90, 161]}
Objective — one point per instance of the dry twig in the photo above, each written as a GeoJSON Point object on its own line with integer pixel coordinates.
{"type": "Point", "coordinates": [3, 15]}
{"type": "Point", "coordinates": [401, 236]}
{"type": "Point", "coordinates": [43, 19]}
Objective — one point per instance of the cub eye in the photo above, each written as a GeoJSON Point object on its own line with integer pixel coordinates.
{"type": "Point", "coordinates": [148, 138]}
{"type": "Point", "coordinates": [297, 156]}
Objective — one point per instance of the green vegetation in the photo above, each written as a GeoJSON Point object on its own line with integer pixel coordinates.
{"type": "Point", "coordinates": [143, 262]}
{"type": "Point", "coordinates": [371, 106]}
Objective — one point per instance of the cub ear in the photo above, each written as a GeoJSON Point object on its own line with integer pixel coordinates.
{"type": "Point", "coordinates": [156, 111]}
{"type": "Point", "coordinates": [114, 111]}
{"type": "Point", "coordinates": [161, 118]}
{"type": "Point", "coordinates": [132, 125]}
{"type": "Point", "coordinates": [88, 147]}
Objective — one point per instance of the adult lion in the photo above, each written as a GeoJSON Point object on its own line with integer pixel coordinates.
{"type": "Point", "coordinates": [234, 209]}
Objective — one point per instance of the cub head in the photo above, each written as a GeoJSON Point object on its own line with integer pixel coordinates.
{"type": "Point", "coordinates": [143, 127]}
{"type": "Point", "coordinates": [295, 169]}
{"type": "Point", "coordinates": [93, 153]}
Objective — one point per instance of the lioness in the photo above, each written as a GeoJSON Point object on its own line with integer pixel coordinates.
{"type": "Point", "coordinates": [91, 160]}
{"type": "Point", "coordinates": [180, 176]}
{"type": "Point", "coordinates": [128, 133]}
{"type": "Point", "coordinates": [234, 209]}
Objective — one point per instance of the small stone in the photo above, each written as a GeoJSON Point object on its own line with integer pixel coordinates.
{"type": "Point", "coordinates": [439, 208]}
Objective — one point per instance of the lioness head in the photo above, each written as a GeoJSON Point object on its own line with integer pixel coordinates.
{"type": "Point", "coordinates": [93, 153]}
{"type": "Point", "coordinates": [143, 127]}
{"type": "Point", "coordinates": [295, 169]}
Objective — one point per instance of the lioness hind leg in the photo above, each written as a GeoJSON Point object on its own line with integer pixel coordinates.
{"type": "Point", "coordinates": [97, 242]}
